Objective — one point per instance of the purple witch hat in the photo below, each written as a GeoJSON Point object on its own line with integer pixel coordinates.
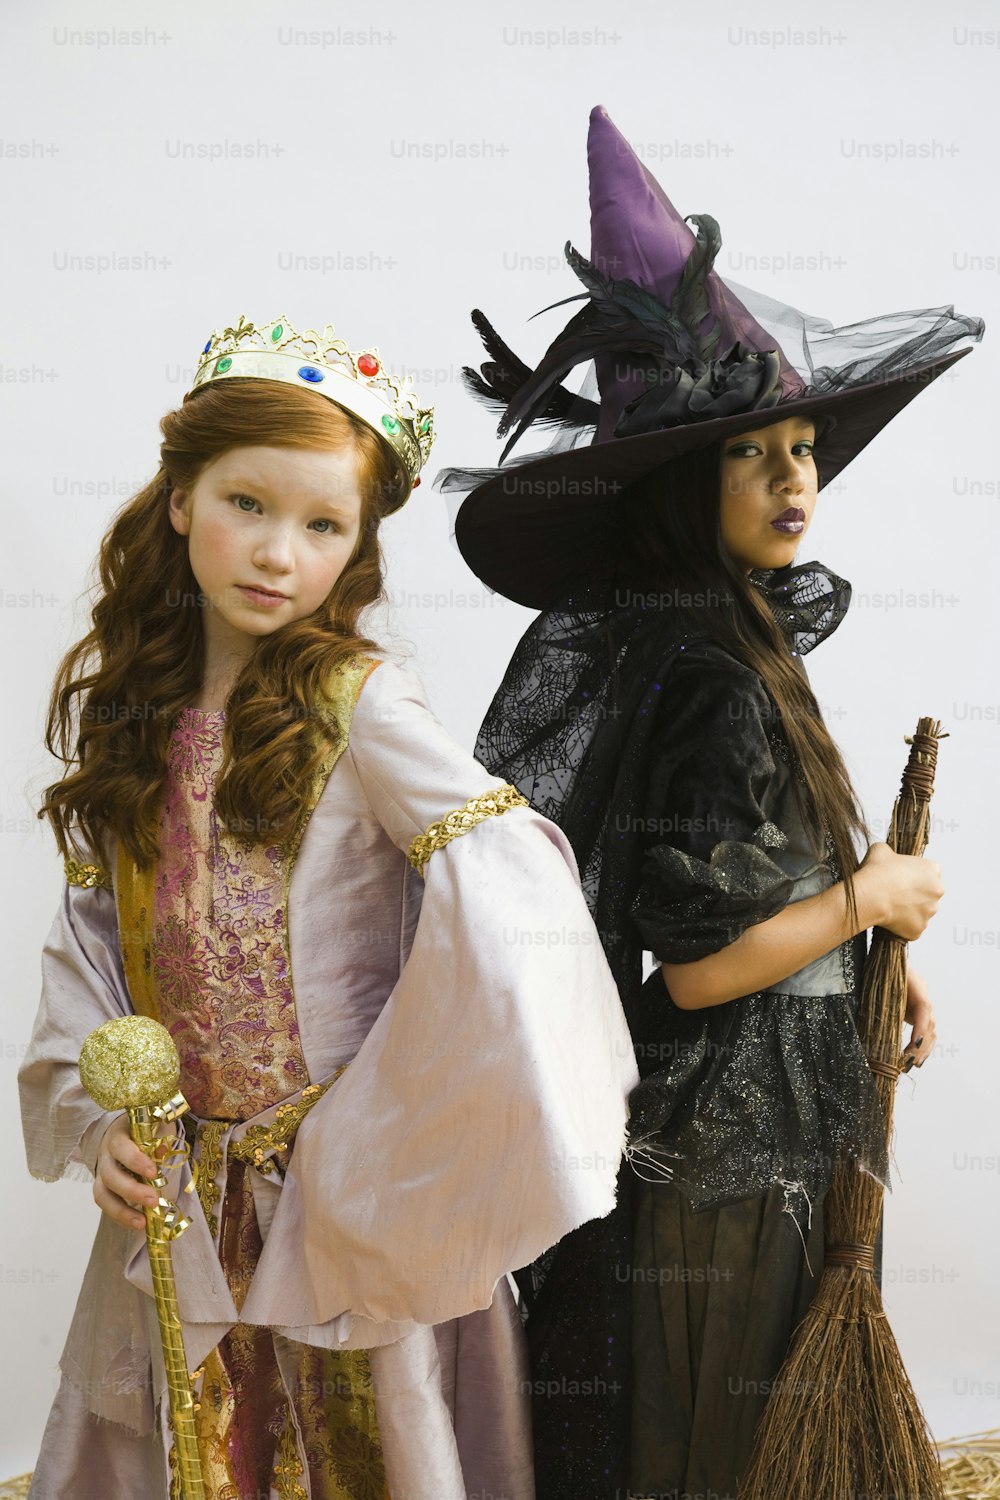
{"type": "Point", "coordinates": [637, 235]}
{"type": "Point", "coordinates": [681, 362]}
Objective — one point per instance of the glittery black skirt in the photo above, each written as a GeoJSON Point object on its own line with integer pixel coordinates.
{"type": "Point", "coordinates": [769, 1090]}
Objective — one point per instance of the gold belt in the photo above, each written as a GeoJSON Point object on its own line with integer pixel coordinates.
{"type": "Point", "coordinates": [257, 1145]}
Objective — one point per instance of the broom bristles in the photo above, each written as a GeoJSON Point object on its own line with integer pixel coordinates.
{"type": "Point", "coordinates": [844, 1422]}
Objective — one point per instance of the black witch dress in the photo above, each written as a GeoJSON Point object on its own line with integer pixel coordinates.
{"type": "Point", "coordinates": [656, 1334]}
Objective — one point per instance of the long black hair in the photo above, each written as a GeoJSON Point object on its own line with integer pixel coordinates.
{"type": "Point", "coordinates": [669, 525]}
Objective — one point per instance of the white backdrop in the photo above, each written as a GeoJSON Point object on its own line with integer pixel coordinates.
{"type": "Point", "coordinates": [165, 168]}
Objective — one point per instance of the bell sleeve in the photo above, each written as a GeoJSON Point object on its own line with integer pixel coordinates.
{"type": "Point", "coordinates": [713, 865]}
{"type": "Point", "coordinates": [484, 1115]}
{"type": "Point", "coordinates": [83, 985]}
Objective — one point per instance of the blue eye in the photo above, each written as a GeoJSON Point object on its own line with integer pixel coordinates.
{"type": "Point", "coordinates": [238, 498]}
{"type": "Point", "coordinates": [324, 522]}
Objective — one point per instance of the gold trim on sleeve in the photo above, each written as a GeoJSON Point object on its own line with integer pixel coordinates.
{"type": "Point", "coordinates": [87, 875]}
{"type": "Point", "coordinates": [454, 824]}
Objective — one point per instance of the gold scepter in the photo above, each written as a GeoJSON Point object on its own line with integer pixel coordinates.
{"type": "Point", "coordinates": [132, 1064]}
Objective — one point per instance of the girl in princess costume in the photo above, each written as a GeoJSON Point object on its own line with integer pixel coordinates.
{"type": "Point", "coordinates": [659, 711]}
{"type": "Point", "coordinates": [274, 849]}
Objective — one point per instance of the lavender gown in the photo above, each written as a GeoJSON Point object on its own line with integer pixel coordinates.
{"type": "Point", "coordinates": [346, 1295]}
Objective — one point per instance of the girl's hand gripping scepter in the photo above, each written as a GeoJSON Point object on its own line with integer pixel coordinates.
{"type": "Point", "coordinates": [132, 1064]}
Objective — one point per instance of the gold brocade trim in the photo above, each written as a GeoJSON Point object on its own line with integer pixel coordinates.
{"type": "Point", "coordinates": [136, 893]}
{"type": "Point", "coordinates": [212, 1417]}
{"type": "Point", "coordinates": [87, 875]}
{"type": "Point", "coordinates": [454, 824]}
{"type": "Point", "coordinates": [339, 1433]}
{"type": "Point", "coordinates": [288, 1465]}
{"type": "Point", "coordinates": [259, 1141]}
{"type": "Point", "coordinates": [209, 1162]}
{"type": "Point", "coordinates": [337, 707]}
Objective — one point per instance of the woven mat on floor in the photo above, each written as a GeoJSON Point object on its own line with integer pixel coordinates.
{"type": "Point", "coordinates": [970, 1464]}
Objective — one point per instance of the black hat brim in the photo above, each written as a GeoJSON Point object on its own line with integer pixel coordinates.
{"type": "Point", "coordinates": [535, 529]}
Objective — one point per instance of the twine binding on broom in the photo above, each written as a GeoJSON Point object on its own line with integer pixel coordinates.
{"type": "Point", "coordinates": [862, 1256]}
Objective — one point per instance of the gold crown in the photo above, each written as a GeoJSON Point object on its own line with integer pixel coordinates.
{"type": "Point", "coordinates": [319, 361]}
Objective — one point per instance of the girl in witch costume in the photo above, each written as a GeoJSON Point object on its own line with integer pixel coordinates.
{"type": "Point", "coordinates": [659, 711]}
{"type": "Point", "coordinates": [274, 849]}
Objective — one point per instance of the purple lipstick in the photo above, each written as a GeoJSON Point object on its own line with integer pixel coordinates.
{"type": "Point", "coordinates": [792, 520]}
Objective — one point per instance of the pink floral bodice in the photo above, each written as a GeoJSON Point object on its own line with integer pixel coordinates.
{"type": "Point", "coordinates": [220, 951]}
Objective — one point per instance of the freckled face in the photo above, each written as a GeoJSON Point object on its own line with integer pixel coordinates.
{"type": "Point", "coordinates": [270, 530]}
{"type": "Point", "coordinates": [768, 494]}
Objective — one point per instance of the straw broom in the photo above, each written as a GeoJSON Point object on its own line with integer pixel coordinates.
{"type": "Point", "coordinates": [843, 1421]}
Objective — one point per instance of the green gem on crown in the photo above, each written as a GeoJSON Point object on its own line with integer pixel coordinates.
{"type": "Point", "coordinates": [390, 424]}
{"type": "Point", "coordinates": [276, 333]}
{"type": "Point", "coordinates": [223, 365]}
{"type": "Point", "coordinates": [425, 425]}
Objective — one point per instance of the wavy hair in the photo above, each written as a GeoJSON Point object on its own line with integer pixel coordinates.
{"type": "Point", "coordinates": [671, 529]}
{"type": "Point", "coordinates": [118, 691]}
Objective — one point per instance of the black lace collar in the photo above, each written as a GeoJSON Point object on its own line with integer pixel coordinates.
{"type": "Point", "coordinates": [808, 601]}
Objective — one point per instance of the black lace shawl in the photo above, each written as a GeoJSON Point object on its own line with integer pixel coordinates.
{"type": "Point", "coordinates": [664, 761]}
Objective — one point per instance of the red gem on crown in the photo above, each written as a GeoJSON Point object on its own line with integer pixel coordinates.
{"type": "Point", "coordinates": [368, 364]}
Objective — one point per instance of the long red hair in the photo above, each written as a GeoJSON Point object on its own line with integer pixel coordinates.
{"type": "Point", "coordinates": [118, 691]}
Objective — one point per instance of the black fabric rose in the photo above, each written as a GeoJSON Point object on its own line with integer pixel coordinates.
{"type": "Point", "coordinates": [741, 380]}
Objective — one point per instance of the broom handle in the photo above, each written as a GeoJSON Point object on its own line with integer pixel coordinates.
{"type": "Point", "coordinates": [909, 832]}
